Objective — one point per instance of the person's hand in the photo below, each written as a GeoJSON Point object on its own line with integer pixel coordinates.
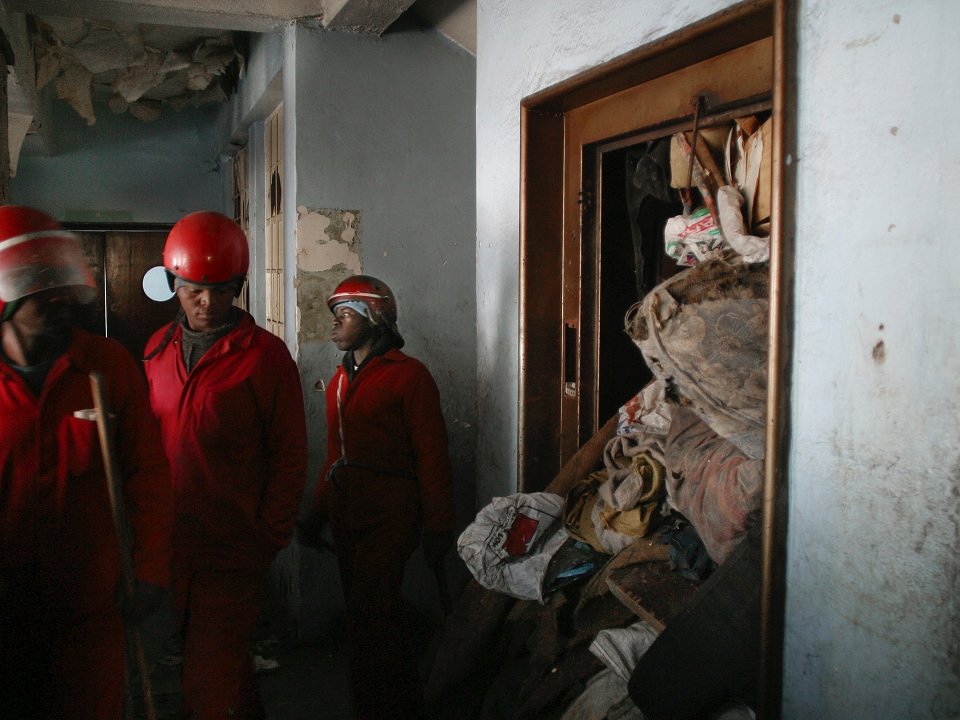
{"type": "Point", "coordinates": [435, 545]}
{"type": "Point", "coordinates": [146, 599]}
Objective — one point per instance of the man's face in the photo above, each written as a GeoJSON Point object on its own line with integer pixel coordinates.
{"type": "Point", "coordinates": [351, 330]}
{"type": "Point", "coordinates": [40, 326]}
{"type": "Point", "coordinates": [46, 314]}
{"type": "Point", "coordinates": [206, 308]}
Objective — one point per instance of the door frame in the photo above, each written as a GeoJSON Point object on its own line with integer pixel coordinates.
{"type": "Point", "coordinates": [547, 339]}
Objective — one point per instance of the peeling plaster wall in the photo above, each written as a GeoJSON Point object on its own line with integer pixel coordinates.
{"type": "Point", "coordinates": [872, 622]}
{"type": "Point", "coordinates": [384, 184]}
{"type": "Point", "coordinates": [329, 249]}
{"type": "Point", "coordinates": [121, 169]}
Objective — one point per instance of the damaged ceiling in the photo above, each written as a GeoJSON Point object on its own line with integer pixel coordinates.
{"type": "Point", "coordinates": [131, 67]}
{"type": "Point", "coordinates": [140, 56]}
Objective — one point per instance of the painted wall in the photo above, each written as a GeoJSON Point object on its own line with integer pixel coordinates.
{"type": "Point", "coordinates": [874, 565]}
{"type": "Point", "coordinates": [873, 628]}
{"type": "Point", "coordinates": [381, 132]}
{"type": "Point", "coordinates": [240, 123]}
{"type": "Point", "coordinates": [257, 95]}
{"type": "Point", "coordinates": [120, 169]}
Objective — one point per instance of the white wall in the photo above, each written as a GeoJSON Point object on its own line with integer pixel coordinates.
{"type": "Point", "coordinates": [873, 628]}
{"type": "Point", "coordinates": [873, 623]}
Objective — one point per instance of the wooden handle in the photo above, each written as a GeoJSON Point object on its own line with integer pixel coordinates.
{"type": "Point", "coordinates": [121, 524]}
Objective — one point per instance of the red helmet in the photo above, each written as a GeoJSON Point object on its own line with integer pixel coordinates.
{"type": "Point", "coordinates": [371, 292]}
{"type": "Point", "coordinates": [37, 254]}
{"type": "Point", "coordinates": [206, 248]}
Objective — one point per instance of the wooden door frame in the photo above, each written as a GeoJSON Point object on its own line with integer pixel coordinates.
{"type": "Point", "coordinates": [545, 336]}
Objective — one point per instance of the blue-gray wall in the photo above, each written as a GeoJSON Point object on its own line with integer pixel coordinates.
{"type": "Point", "coordinates": [120, 169]}
{"type": "Point", "coordinates": [383, 128]}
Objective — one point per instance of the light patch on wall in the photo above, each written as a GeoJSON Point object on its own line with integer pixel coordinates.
{"type": "Point", "coordinates": [329, 246]}
{"type": "Point", "coordinates": [328, 238]}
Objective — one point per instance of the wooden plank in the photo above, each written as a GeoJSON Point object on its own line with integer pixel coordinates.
{"type": "Point", "coordinates": [652, 591]}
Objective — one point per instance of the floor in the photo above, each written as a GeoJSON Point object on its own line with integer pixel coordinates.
{"type": "Point", "coordinates": [310, 682]}
{"type": "Point", "coordinates": [298, 680]}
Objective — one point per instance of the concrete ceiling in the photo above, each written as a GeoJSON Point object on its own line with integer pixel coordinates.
{"type": "Point", "coordinates": [138, 54]}
{"type": "Point", "coordinates": [368, 16]}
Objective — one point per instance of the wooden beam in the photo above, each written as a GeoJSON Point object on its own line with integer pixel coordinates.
{"type": "Point", "coordinates": [364, 16]}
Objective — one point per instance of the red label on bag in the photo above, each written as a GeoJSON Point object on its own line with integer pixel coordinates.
{"type": "Point", "coordinates": [520, 534]}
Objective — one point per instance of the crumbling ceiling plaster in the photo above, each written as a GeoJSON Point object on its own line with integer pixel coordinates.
{"type": "Point", "coordinates": [134, 68]}
{"type": "Point", "coordinates": [171, 33]}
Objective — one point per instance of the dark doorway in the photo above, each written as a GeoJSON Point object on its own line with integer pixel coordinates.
{"type": "Point", "coordinates": [635, 201]}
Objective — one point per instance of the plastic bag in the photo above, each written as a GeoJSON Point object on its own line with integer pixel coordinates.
{"type": "Point", "coordinates": [509, 545]}
{"type": "Point", "coordinates": [752, 248]}
{"type": "Point", "coordinates": [689, 239]}
{"type": "Point", "coordinates": [646, 412]}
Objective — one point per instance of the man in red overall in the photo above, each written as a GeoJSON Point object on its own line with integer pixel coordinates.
{"type": "Point", "coordinates": [231, 412]}
{"type": "Point", "coordinates": [62, 636]}
{"type": "Point", "coordinates": [387, 478]}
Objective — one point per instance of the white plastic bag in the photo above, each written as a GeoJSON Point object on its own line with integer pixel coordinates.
{"type": "Point", "coordinates": [752, 248]}
{"type": "Point", "coordinates": [511, 541]}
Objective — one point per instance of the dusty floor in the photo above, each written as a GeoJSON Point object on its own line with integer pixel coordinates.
{"type": "Point", "coordinates": [309, 681]}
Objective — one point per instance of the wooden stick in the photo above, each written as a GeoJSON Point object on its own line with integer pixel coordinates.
{"type": "Point", "coordinates": [121, 524]}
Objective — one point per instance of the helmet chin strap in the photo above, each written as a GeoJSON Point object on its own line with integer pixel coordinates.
{"type": "Point", "coordinates": [10, 308]}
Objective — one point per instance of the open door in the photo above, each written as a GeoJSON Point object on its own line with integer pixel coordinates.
{"type": "Point", "coordinates": [589, 250]}
{"type": "Point", "coordinates": [581, 264]}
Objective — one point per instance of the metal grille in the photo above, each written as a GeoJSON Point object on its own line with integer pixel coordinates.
{"type": "Point", "coordinates": [241, 214]}
{"type": "Point", "coordinates": [273, 139]}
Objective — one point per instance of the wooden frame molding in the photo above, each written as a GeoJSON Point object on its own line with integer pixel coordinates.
{"type": "Point", "coordinates": [545, 335]}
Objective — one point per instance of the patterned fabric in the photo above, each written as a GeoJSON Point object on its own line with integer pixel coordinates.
{"type": "Point", "coordinates": [705, 331]}
{"type": "Point", "coordinates": [712, 483]}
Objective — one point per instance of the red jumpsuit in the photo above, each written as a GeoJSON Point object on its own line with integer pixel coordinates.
{"type": "Point", "coordinates": [235, 434]}
{"type": "Point", "coordinates": [61, 643]}
{"type": "Point", "coordinates": [387, 445]}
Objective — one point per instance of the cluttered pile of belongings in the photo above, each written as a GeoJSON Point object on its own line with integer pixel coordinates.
{"type": "Point", "coordinates": [629, 587]}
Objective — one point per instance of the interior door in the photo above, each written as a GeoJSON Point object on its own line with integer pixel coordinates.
{"type": "Point", "coordinates": [566, 132]}
{"type": "Point", "coordinates": [647, 112]}
{"type": "Point", "coordinates": [577, 260]}
{"type": "Point", "coordinates": [119, 259]}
